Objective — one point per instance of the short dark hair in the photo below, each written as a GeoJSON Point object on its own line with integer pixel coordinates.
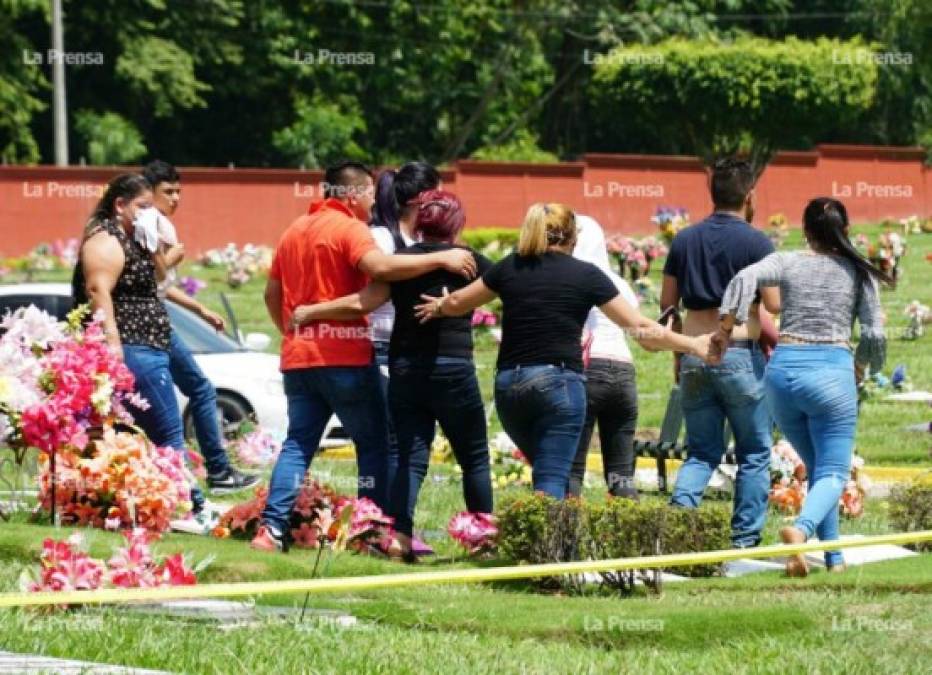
{"type": "Point", "coordinates": [732, 180]}
{"type": "Point", "coordinates": [345, 174]}
{"type": "Point", "coordinates": [159, 171]}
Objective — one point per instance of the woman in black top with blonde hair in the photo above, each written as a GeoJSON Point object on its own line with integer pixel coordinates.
{"type": "Point", "coordinates": [546, 296]}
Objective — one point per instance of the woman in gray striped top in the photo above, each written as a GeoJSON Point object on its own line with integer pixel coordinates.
{"type": "Point", "coordinates": [810, 382]}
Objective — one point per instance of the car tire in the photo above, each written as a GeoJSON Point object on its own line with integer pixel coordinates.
{"type": "Point", "coordinates": [233, 410]}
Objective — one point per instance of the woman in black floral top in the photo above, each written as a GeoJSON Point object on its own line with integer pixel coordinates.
{"type": "Point", "coordinates": [117, 276]}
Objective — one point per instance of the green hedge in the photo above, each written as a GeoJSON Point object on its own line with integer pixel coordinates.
{"type": "Point", "coordinates": [493, 242]}
{"type": "Point", "coordinates": [539, 529]}
{"type": "Point", "coordinates": [911, 510]}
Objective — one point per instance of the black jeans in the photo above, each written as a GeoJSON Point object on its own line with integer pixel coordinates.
{"type": "Point", "coordinates": [612, 401]}
{"type": "Point", "coordinates": [420, 395]}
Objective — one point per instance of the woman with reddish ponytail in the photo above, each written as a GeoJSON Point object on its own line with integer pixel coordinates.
{"type": "Point", "coordinates": [432, 373]}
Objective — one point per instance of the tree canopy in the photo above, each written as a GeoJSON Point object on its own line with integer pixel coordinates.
{"type": "Point", "coordinates": [299, 82]}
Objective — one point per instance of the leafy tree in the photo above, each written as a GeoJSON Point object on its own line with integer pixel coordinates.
{"type": "Point", "coordinates": [523, 147]}
{"type": "Point", "coordinates": [323, 132]}
{"type": "Point", "coordinates": [109, 137]}
{"type": "Point", "coordinates": [20, 84]}
{"type": "Point", "coordinates": [751, 95]}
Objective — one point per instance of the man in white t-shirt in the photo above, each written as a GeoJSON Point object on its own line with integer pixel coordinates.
{"type": "Point", "coordinates": [611, 392]}
{"type": "Point", "coordinates": [222, 477]}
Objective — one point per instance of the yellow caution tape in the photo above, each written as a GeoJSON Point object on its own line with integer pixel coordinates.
{"type": "Point", "coordinates": [881, 474]}
{"type": "Point", "coordinates": [450, 576]}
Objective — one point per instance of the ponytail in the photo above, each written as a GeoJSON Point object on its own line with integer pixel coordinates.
{"type": "Point", "coordinates": [546, 225]}
{"type": "Point", "coordinates": [825, 221]}
{"type": "Point", "coordinates": [396, 191]}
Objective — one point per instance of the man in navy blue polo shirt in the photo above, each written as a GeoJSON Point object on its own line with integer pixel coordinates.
{"type": "Point", "coordinates": [703, 259]}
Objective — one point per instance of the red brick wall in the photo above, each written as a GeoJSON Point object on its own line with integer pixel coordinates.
{"type": "Point", "coordinates": [43, 203]}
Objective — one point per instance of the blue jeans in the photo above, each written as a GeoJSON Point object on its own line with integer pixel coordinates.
{"type": "Point", "coordinates": [543, 409]}
{"type": "Point", "coordinates": [420, 395]}
{"type": "Point", "coordinates": [162, 421]}
{"type": "Point", "coordinates": [812, 393]}
{"type": "Point", "coordinates": [194, 384]}
{"type": "Point", "coordinates": [380, 349]}
{"type": "Point", "coordinates": [314, 394]}
{"type": "Point", "coordinates": [732, 390]}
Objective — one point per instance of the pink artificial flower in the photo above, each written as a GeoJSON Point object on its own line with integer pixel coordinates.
{"type": "Point", "coordinates": [476, 532]}
{"type": "Point", "coordinates": [174, 572]}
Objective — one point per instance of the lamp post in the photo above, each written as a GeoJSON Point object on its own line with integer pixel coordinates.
{"type": "Point", "coordinates": [58, 82]}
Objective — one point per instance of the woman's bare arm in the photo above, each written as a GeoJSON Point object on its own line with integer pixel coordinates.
{"type": "Point", "coordinates": [454, 304]}
{"type": "Point", "coordinates": [650, 334]}
{"type": "Point", "coordinates": [102, 259]}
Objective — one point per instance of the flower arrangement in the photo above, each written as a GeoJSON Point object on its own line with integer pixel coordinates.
{"type": "Point", "coordinates": [117, 481]}
{"type": "Point", "coordinates": [241, 264]}
{"type": "Point", "coordinates": [59, 255]}
{"type": "Point", "coordinates": [919, 315]}
{"type": "Point", "coordinates": [67, 566]}
{"type": "Point", "coordinates": [851, 504]}
{"type": "Point", "coordinates": [192, 285]}
{"type": "Point", "coordinates": [778, 229]}
{"type": "Point", "coordinates": [483, 318]}
{"type": "Point", "coordinates": [256, 447]}
{"type": "Point", "coordinates": [476, 532]}
{"type": "Point", "coordinates": [57, 381]}
{"type": "Point", "coordinates": [788, 476]}
{"type": "Point", "coordinates": [886, 253]}
{"type": "Point", "coordinates": [61, 390]}
{"type": "Point", "coordinates": [670, 220]}
{"type": "Point", "coordinates": [509, 465]}
{"type": "Point", "coordinates": [789, 486]}
{"type": "Point", "coordinates": [320, 516]}
{"type": "Point", "coordinates": [635, 254]}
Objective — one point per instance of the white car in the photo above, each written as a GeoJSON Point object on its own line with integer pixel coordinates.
{"type": "Point", "coordinates": [247, 380]}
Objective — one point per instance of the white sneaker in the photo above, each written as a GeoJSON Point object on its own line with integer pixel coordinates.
{"type": "Point", "coordinates": [202, 523]}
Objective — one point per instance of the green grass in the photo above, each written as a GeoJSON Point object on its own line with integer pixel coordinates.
{"type": "Point", "coordinates": [762, 623]}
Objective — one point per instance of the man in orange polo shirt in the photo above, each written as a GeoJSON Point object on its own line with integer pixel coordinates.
{"type": "Point", "coordinates": [328, 366]}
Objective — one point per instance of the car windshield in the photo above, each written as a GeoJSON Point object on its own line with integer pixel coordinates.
{"type": "Point", "coordinates": [198, 335]}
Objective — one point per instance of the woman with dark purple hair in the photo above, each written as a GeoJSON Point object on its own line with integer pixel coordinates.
{"type": "Point", "coordinates": [433, 377]}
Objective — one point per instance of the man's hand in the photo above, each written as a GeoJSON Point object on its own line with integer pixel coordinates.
{"type": "Point", "coordinates": [460, 261]}
{"type": "Point", "coordinates": [719, 343]}
{"type": "Point", "coordinates": [213, 319]}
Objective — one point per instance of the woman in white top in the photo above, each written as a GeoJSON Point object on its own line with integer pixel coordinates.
{"type": "Point", "coordinates": [611, 390]}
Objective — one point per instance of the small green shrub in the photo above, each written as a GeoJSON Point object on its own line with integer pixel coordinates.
{"type": "Point", "coordinates": [538, 529]}
{"type": "Point", "coordinates": [911, 510]}
{"type": "Point", "coordinates": [493, 242]}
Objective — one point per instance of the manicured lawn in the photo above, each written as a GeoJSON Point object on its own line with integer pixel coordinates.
{"type": "Point", "coordinates": [873, 619]}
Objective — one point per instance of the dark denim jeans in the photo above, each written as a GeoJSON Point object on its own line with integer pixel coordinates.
{"type": "Point", "coordinates": [202, 396]}
{"type": "Point", "coordinates": [381, 360]}
{"type": "Point", "coordinates": [732, 390]}
{"type": "Point", "coordinates": [543, 409]}
{"type": "Point", "coordinates": [813, 396]}
{"type": "Point", "coordinates": [420, 395]}
{"type": "Point", "coordinates": [314, 394]}
{"type": "Point", "coordinates": [162, 420]}
{"type": "Point", "coordinates": [612, 401]}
